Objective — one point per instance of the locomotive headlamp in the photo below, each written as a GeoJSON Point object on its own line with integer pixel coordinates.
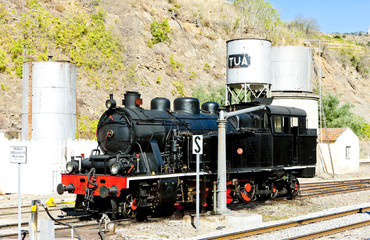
{"type": "Point", "coordinates": [110, 103]}
{"type": "Point", "coordinates": [115, 168]}
{"type": "Point", "coordinates": [71, 167]}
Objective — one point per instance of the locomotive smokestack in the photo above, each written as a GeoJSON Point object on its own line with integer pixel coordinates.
{"type": "Point", "coordinates": [132, 100]}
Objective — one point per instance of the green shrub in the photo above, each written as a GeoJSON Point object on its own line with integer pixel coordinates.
{"type": "Point", "coordinates": [4, 87]}
{"type": "Point", "coordinates": [193, 75]}
{"type": "Point", "coordinates": [180, 88]}
{"type": "Point", "coordinates": [161, 32]}
{"type": "Point", "coordinates": [158, 80]}
{"type": "Point", "coordinates": [86, 127]}
{"type": "Point", "coordinates": [80, 36]}
{"type": "Point", "coordinates": [2, 61]}
{"type": "Point", "coordinates": [175, 65]}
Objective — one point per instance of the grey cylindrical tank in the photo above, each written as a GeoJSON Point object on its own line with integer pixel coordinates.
{"type": "Point", "coordinates": [291, 68]}
{"type": "Point", "coordinates": [49, 100]}
{"type": "Point", "coordinates": [248, 61]}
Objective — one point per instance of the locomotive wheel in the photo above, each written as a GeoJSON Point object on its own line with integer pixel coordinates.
{"type": "Point", "coordinates": [294, 187]}
{"type": "Point", "coordinates": [247, 192]}
{"type": "Point", "coordinates": [130, 206]}
{"type": "Point", "coordinates": [274, 192]}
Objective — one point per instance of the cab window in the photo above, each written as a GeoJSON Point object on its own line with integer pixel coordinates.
{"type": "Point", "coordinates": [266, 121]}
{"type": "Point", "coordinates": [281, 124]}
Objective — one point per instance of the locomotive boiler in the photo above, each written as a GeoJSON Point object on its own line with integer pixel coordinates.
{"type": "Point", "coordinates": [144, 164]}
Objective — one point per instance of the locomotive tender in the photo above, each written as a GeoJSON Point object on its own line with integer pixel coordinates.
{"type": "Point", "coordinates": [144, 163]}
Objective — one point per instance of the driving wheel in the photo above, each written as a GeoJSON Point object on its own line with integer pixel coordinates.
{"type": "Point", "coordinates": [130, 206]}
{"type": "Point", "coordinates": [247, 191]}
{"type": "Point", "coordinates": [294, 187]}
{"type": "Point", "coordinates": [274, 191]}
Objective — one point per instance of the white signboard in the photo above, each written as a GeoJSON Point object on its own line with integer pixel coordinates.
{"type": "Point", "coordinates": [198, 144]}
{"type": "Point", "coordinates": [18, 154]}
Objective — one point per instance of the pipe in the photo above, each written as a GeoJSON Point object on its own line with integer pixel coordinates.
{"type": "Point", "coordinates": [221, 167]}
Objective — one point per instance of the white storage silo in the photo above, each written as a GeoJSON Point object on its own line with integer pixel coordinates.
{"type": "Point", "coordinates": [291, 68]}
{"type": "Point", "coordinates": [49, 101]}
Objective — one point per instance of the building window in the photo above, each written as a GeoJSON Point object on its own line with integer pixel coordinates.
{"type": "Point", "coordinates": [348, 152]}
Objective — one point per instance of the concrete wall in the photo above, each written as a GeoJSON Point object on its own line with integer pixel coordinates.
{"type": "Point", "coordinates": [45, 161]}
{"type": "Point", "coordinates": [338, 151]}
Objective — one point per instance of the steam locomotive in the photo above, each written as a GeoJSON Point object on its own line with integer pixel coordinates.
{"type": "Point", "coordinates": [144, 163]}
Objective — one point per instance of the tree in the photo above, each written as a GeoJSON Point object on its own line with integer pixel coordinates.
{"type": "Point", "coordinates": [216, 94]}
{"type": "Point", "coordinates": [341, 116]}
{"type": "Point", "coordinates": [259, 15]}
{"type": "Point", "coordinates": [307, 26]}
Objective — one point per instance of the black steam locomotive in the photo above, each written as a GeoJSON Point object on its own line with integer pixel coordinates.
{"type": "Point", "coordinates": [144, 163]}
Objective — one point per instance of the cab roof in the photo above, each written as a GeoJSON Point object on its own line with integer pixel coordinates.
{"type": "Point", "coordinates": [282, 110]}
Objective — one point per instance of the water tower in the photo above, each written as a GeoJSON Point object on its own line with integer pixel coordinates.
{"type": "Point", "coordinates": [248, 73]}
{"type": "Point", "coordinates": [292, 80]}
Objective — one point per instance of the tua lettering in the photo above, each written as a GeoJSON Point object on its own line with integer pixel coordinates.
{"type": "Point", "coordinates": [239, 61]}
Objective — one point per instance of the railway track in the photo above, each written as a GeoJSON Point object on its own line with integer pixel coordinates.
{"type": "Point", "coordinates": [77, 223]}
{"type": "Point", "coordinates": [334, 184]}
{"type": "Point", "coordinates": [291, 224]}
{"type": "Point", "coordinates": [57, 229]}
{"type": "Point", "coordinates": [332, 187]}
{"type": "Point", "coordinates": [308, 190]}
{"type": "Point", "coordinates": [25, 224]}
{"type": "Point", "coordinates": [332, 230]}
{"type": "Point", "coordinates": [26, 211]}
{"type": "Point", "coordinates": [10, 230]}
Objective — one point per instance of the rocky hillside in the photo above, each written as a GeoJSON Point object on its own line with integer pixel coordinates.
{"type": "Point", "coordinates": [127, 54]}
{"type": "Point", "coordinates": [344, 61]}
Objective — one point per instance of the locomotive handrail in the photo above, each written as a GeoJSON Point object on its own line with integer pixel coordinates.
{"type": "Point", "coordinates": [99, 157]}
{"type": "Point", "coordinates": [92, 171]}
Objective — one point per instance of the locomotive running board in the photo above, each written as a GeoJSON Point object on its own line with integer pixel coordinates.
{"type": "Point", "coordinates": [174, 175]}
{"type": "Point", "coordinates": [269, 169]}
{"type": "Point", "coordinates": [245, 170]}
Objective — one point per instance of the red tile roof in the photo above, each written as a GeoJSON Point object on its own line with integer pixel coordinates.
{"type": "Point", "coordinates": [331, 134]}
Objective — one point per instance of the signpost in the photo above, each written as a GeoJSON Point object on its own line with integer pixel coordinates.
{"type": "Point", "coordinates": [18, 154]}
{"type": "Point", "coordinates": [198, 150]}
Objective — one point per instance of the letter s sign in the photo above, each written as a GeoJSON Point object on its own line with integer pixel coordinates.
{"type": "Point", "coordinates": [197, 144]}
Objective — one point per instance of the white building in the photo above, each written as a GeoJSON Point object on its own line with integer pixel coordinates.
{"type": "Point", "coordinates": [344, 147]}
{"type": "Point", "coordinates": [45, 161]}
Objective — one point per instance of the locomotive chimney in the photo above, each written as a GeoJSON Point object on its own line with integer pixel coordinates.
{"type": "Point", "coordinates": [132, 100]}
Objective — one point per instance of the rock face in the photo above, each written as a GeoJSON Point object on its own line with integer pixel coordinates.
{"type": "Point", "coordinates": [195, 56]}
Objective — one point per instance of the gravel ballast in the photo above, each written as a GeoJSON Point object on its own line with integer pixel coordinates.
{"type": "Point", "coordinates": [271, 212]}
